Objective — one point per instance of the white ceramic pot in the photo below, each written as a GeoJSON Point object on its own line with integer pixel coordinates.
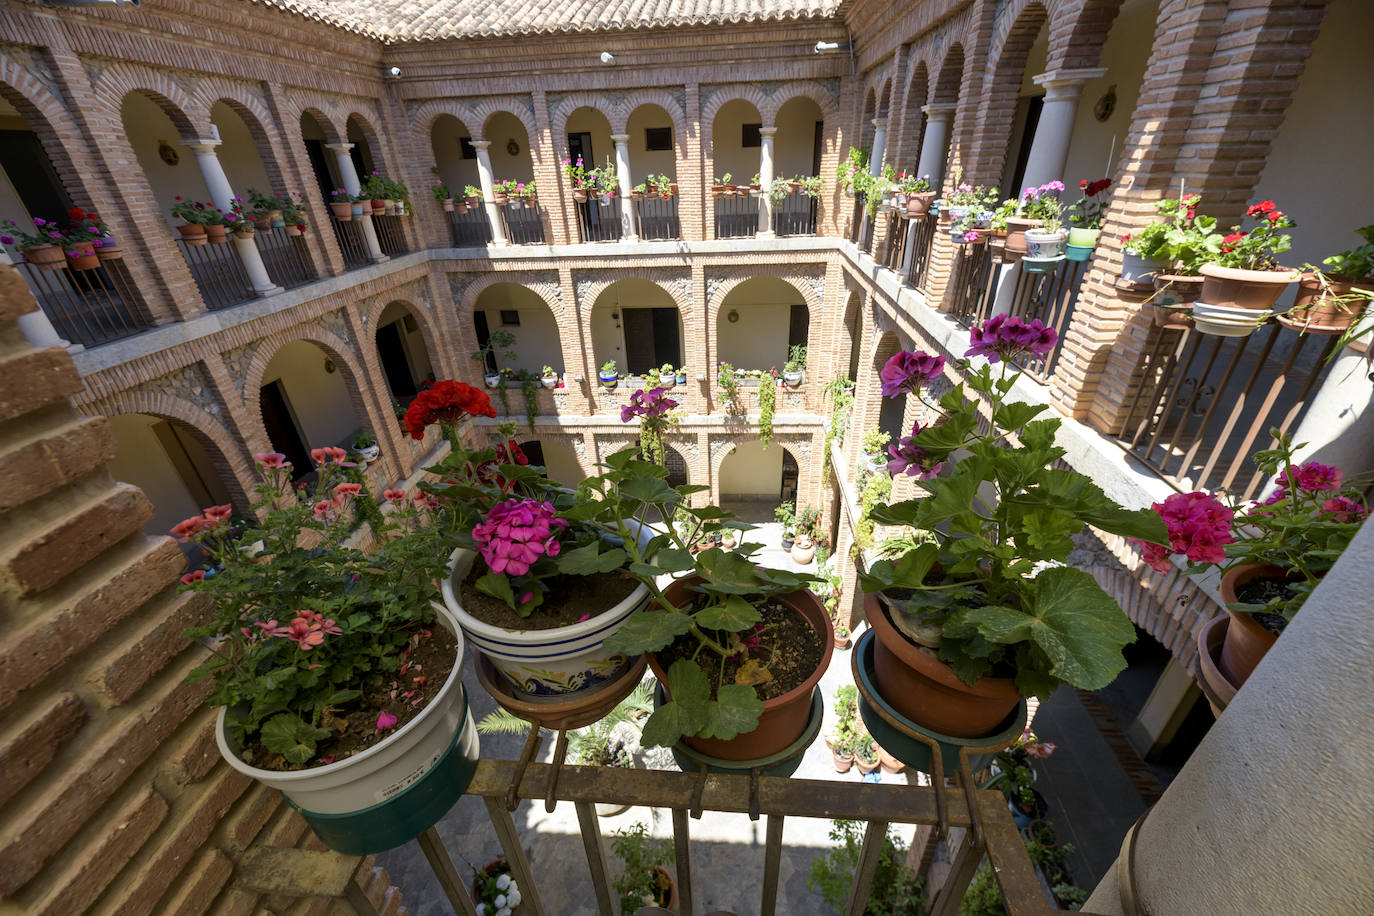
{"type": "Point", "coordinates": [803, 552]}
{"type": "Point", "coordinates": [793, 379]}
{"type": "Point", "coordinates": [667, 381]}
{"type": "Point", "coordinates": [371, 453]}
{"type": "Point", "coordinates": [549, 381]}
{"type": "Point", "coordinates": [1042, 245]}
{"type": "Point", "coordinates": [546, 663]}
{"type": "Point", "coordinates": [382, 771]}
{"type": "Point", "coordinates": [493, 379]}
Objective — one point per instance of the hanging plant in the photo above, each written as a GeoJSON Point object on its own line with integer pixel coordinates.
{"type": "Point", "coordinates": [531, 389]}
{"type": "Point", "coordinates": [768, 396]}
{"type": "Point", "coordinates": [840, 392]}
{"type": "Point", "coordinates": [655, 412]}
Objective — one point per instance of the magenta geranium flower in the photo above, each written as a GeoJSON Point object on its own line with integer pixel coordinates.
{"type": "Point", "coordinates": [1008, 337]}
{"type": "Point", "coordinates": [1199, 528]}
{"type": "Point", "coordinates": [516, 533]}
{"type": "Point", "coordinates": [1312, 476]}
{"type": "Point", "coordinates": [1344, 509]}
{"type": "Point", "coordinates": [908, 458]}
{"type": "Point", "coordinates": [650, 405]}
{"type": "Point", "coordinates": [908, 371]}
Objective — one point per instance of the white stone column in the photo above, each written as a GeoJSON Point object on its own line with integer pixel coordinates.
{"type": "Point", "coordinates": [909, 249]}
{"type": "Point", "coordinates": [1274, 810]}
{"type": "Point", "coordinates": [766, 135]}
{"type": "Point", "coordinates": [622, 174]}
{"type": "Point", "coordinates": [349, 176]}
{"type": "Point", "coordinates": [934, 144]}
{"type": "Point", "coordinates": [222, 194]}
{"type": "Point", "coordinates": [1050, 149]}
{"type": "Point", "coordinates": [875, 158]}
{"type": "Point", "coordinates": [36, 326]}
{"type": "Point", "coordinates": [498, 233]}
{"type": "Point", "coordinates": [1338, 427]}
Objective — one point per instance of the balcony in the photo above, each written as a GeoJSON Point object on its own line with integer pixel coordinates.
{"type": "Point", "coordinates": [87, 307]}
{"type": "Point", "coordinates": [737, 215]}
{"type": "Point", "coordinates": [218, 272]}
{"type": "Point", "coordinates": [598, 220]}
{"type": "Point", "coordinates": [469, 228]}
{"type": "Point", "coordinates": [391, 234]}
{"type": "Point", "coordinates": [656, 218]}
{"type": "Point", "coordinates": [795, 215]}
{"type": "Point", "coordinates": [522, 221]}
{"type": "Point", "coordinates": [352, 245]}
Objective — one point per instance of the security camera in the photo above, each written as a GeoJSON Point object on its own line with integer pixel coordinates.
{"type": "Point", "coordinates": [393, 72]}
{"type": "Point", "coordinates": [607, 57]}
{"type": "Point", "coordinates": [827, 47]}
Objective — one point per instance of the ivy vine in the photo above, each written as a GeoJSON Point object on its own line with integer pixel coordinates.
{"type": "Point", "coordinates": [768, 397]}
{"type": "Point", "coordinates": [531, 389]}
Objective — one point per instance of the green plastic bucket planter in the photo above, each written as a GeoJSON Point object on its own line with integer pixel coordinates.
{"type": "Point", "coordinates": [782, 764]}
{"type": "Point", "coordinates": [410, 812]}
{"type": "Point", "coordinates": [1040, 265]}
{"type": "Point", "coordinates": [1077, 252]}
{"type": "Point", "coordinates": [912, 751]}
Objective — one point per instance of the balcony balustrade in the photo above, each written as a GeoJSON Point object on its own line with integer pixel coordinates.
{"type": "Point", "coordinates": [286, 256]}
{"type": "Point", "coordinates": [599, 220]}
{"type": "Point", "coordinates": [352, 245]}
{"type": "Point", "coordinates": [469, 228]}
{"type": "Point", "coordinates": [390, 234]}
{"type": "Point", "coordinates": [219, 273]}
{"type": "Point", "coordinates": [88, 307]}
{"type": "Point", "coordinates": [523, 221]}
{"type": "Point", "coordinates": [737, 216]}
{"type": "Point", "coordinates": [795, 215]}
{"type": "Point", "coordinates": [921, 244]}
{"type": "Point", "coordinates": [656, 218]}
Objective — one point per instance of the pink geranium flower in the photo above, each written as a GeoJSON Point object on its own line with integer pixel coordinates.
{"type": "Point", "coordinates": [217, 514]}
{"type": "Point", "coordinates": [516, 533]}
{"type": "Point", "coordinates": [908, 371]}
{"type": "Point", "coordinates": [395, 495]}
{"type": "Point", "coordinates": [386, 720]}
{"type": "Point", "coordinates": [272, 460]}
{"type": "Point", "coordinates": [186, 528]}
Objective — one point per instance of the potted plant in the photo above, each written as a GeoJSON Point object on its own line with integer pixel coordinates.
{"type": "Point", "coordinates": [840, 735]}
{"type": "Point", "coordinates": [1244, 277]}
{"type": "Point", "coordinates": [896, 889]}
{"type": "Point", "coordinates": [44, 247]}
{"type": "Point", "coordinates": [344, 690]}
{"type": "Point", "coordinates": [1086, 219]}
{"type": "Point", "coordinates": [666, 376]}
{"type": "Point", "coordinates": [644, 882]}
{"type": "Point", "coordinates": [341, 205]}
{"type": "Point", "coordinates": [366, 445]}
{"type": "Point", "coordinates": [494, 891]}
{"type": "Point", "coordinates": [865, 753]}
{"type": "Point", "coordinates": [722, 185]}
{"type": "Point", "coordinates": [1272, 553]}
{"type": "Point", "coordinates": [1014, 775]}
{"type": "Point", "coordinates": [441, 191]}
{"type": "Point", "coordinates": [1045, 240]}
{"type": "Point", "coordinates": [803, 549]}
{"type": "Point", "coordinates": [785, 515]}
{"type": "Point", "coordinates": [239, 223]}
{"type": "Point", "coordinates": [873, 457]}
{"type": "Point", "coordinates": [1331, 302]}
{"type": "Point", "coordinates": [712, 633]}
{"type": "Point", "coordinates": [501, 341]}
{"type": "Point", "coordinates": [794, 370]}
{"type": "Point", "coordinates": [548, 377]}
{"type": "Point", "coordinates": [986, 612]}
{"type": "Point", "coordinates": [193, 216]}
{"type": "Point", "coordinates": [919, 196]}
{"type": "Point", "coordinates": [472, 196]}
{"type": "Point", "coordinates": [608, 376]}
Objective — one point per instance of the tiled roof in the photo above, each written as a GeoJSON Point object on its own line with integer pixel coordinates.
{"type": "Point", "coordinates": [421, 19]}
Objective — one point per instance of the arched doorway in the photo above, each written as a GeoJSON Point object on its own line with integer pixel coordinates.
{"type": "Point", "coordinates": [558, 461]}
{"type": "Point", "coordinates": [509, 309]}
{"type": "Point", "coordinates": [455, 158]}
{"type": "Point", "coordinates": [754, 481]}
{"type": "Point", "coordinates": [306, 402]}
{"type": "Point", "coordinates": [512, 163]}
{"type": "Point", "coordinates": [653, 155]}
{"type": "Point", "coordinates": [677, 467]}
{"type": "Point", "coordinates": [759, 323]}
{"type": "Point", "coordinates": [636, 323]}
{"type": "Point", "coordinates": [735, 148]}
{"type": "Point", "coordinates": [797, 150]}
{"type": "Point", "coordinates": [401, 349]}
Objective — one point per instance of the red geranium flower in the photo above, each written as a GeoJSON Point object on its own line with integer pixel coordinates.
{"type": "Point", "coordinates": [447, 402]}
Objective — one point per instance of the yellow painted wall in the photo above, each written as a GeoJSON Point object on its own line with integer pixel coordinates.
{"type": "Point", "coordinates": [729, 155]}
{"type": "Point", "coordinates": [502, 128]}
{"type": "Point", "coordinates": [536, 339]}
{"type": "Point", "coordinates": [608, 336]}
{"type": "Point", "coordinates": [589, 120]}
{"type": "Point", "coordinates": [752, 471]}
{"type": "Point", "coordinates": [759, 339]}
{"type": "Point", "coordinates": [561, 464]}
{"type": "Point", "coordinates": [238, 154]}
{"type": "Point", "coordinates": [796, 136]}
{"type": "Point", "coordinates": [142, 461]}
{"type": "Point", "coordinates": [456, 171]}
{"type": "Point", "coordinates": [318, 398]}
{"type": "Point", "coordinates": [644, 162]}
{"type": "Point", "coordinates": [146, 125]}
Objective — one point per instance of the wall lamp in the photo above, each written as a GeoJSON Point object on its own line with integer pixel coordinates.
{"type": "Point", "coordinates": [831, 47]}
{"type": "Point", "coordinates": [393, 72]}
{"type": "Point", "coordinates": [607, 57]}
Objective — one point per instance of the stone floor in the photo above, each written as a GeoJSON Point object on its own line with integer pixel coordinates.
{"type": "Point", "coordinates": [1092, 799]}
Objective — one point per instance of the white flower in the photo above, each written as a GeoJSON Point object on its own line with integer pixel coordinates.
{"type": "Point", "coordinates": [504, 911]}
{"type": "Point", "coordinates": [502, 883]}
{"type": "Point", "coordinates": [499, 902]}
{"type": "Point", "coordinates": [513, 898]}
{"type": "Point", "coordinates": [481, 909]}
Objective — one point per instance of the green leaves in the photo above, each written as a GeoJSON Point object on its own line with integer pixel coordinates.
{"type": "Point", "coordinates": [590, 559]}
{"type": "Point", "coordinates": [733, 614]}
{"type": "Point", "coordinates": [648, 631]}
{"type": "Point", "coordinates": [292, 737]}
{"type": "Point", "coordinates": [691, 711]}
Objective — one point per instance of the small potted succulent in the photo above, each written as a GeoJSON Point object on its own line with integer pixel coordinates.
{"type": "Point", "coordinates": [1272, 553]}
{"type": "Point", "coordinates": [1243, 280]}
{"type": "Point", "coordinates": [645, 881]}
{"type": "Point", "coordinates": [794, 370]}
{"type": "Point", "coordinates": [608, 375]}
{"type": "Point", "coordinates": [548, 377]}
{"type": "Point", "coordinates": [1085, 218]}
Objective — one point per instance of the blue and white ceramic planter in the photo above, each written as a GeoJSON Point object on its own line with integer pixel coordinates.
{"type": "Point", "coordinates": [393, 791]}
{"type": "Point", "coordinates": [546, 663]}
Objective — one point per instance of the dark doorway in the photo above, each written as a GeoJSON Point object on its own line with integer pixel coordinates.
{"type": "Point", "coordinates": [1033, 107]}
{"type": "Point", "coordinates": [788, 493]}
{"type": "Point", "coordinates": [798, 327]}
{"type": "Point", "coordinates": [35, 181]}
{"type": "Point", "coordinates": [534, 451]}
{"type": "Point", "coordinates": [651, 338]}
{"type": "Point", "coordinates": [479, 324]}
{"type": "Point", "coordinates": [677, 467]}
{"type": "Point", "coordinates": [362, 158]}
{"type": "Point", "coordinates": [392, 351]}
{"type": "Point", "coordinates": [281, 428]}
{"type": "Point", "coordinates": [891, 416]}
{"type": "Point", "coordinates": [816, 142]}
{"type": "Point", "coordinates": [319, 164]}
{"type": "Point", "coordinates": [580, 146]}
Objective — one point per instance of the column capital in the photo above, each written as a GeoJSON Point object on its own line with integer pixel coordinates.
{"type": "Point", "coordinates": [1065, 84]}
{"type": "Point", "coordinates": [941, 112]}
{"type": "Point", "coordinates": [767, 131]}
{"type": "Point", "coordinates": [339, 147]}
{"type": "Point", "coordinates": [203, 146]}
{"type": "Point", "coordinates": [880, 123]}
{"type": "Point", "coordinates": [620, 138]}
{"type": "Point", "coordinates": [479, 144]}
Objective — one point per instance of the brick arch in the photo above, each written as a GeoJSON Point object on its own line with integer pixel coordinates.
{"type": "Point", "coordinates": [1015, 19]}
{"type": "Point", "coordinates": [596, 102]}
{"type": "Point", "coordinates": [1006, 68]}
{"type": "Point", "coordinates": [49, 119]}
{"type": "Point", "coordinates": [429, 332]}
{"type": "Point", "coordinates": [713, 307]}
{"type": "Point", "coordinates": [1076, 41]}
{"type": "Point", "coordinates": [950, 78]}
{"type": "Point", "coordinates": [788, 443]}
{"type": "Point", "coordinates": [587, 301]}
{"type": "Point", "coordinates": [907, 144]}
{"type": "Point", "coordinates": [808, 90]}
{"type": "Point", "coordinates": [369, 132]}
{"type": "Point", "coordinates": [345, 359]}
{"type": "Point", "coordinates": [329, 123]}
{"type": "Point", "coordinates": [545, 291]}
{"type": "Point", "coordinates": [868, 113]}
{"type": "Point", "coordinates": [885, 98]}
{"type": "Point", "coordinates": [261, 127]}
{"type": "Point", "coordinates": [660, 97]}
{"type": "Point", "coordinates": [188, 113]}
{"type": "Point", "coordinates": [422, 120]}
{"type": "Point", "coordinates": [482, 115]}
{"type": "Point", "coordinates": [225, 452]}
{"type": "Point", "coordinates": [725, 95]}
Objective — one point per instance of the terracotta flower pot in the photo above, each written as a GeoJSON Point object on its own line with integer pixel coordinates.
{"type": "Point", "coordinates": [1176, 289]}
{"type": "Point", "coordinates": [784, 718]}
{"type": "Point", "coordinates": [889, 763]}
{"type": "Point", "coordinates": [217, 235]}
{"type": "Point", "coordinates": [86, 258]}
{"type": "Point", "coordinates": [843, 642]}
{"type": "Point", "coordinates": [459, 206]}
{"type": "Point", "coordinates": [448, 205]}
{"type": "Point", "coordinates": [866, 766]}
{"type": "Point", "coordinates": [1317, 311]}
{"type": "Point", "coordinates": [1016, 234]}
{"type": "Point", "coordinates": [1232, 287]}
{"type": "Point", "coordinates": [843, 762]}
{"type": "Point", "coordinates": [380, 206]}
{"type": "Point", "coordinates": [192, 234]}
{"type": "Point", "coordinates": [109, 250]}
{"type": "Point", "coordinates": [474, 201]}
{"type": "Point", "coordinates": [342, 209]}
{"type": "Point", "coordinates": [919, 204]}
{"type": "Point", "coordinates": [1247, 640]}
{"type": "Point", "coordinates": [580, 196]}
{"type": "Point", "coordinates": [1215, 686]}
{"type": "Point", "coordinates": [927, 691]}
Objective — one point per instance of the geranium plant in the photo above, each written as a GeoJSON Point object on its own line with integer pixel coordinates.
{"type": "Point", "coordinates": [1086, 213]}
{"type": "Point", "coordinates": [1259, 248]}
{"type": "Point", "coordinates": [1043, 203]}
{"type": "Point", "coordinates": [1181, 238]}
{"type": "Point", "coordinates": [655, 412]}
{"type": "Point", "coordinates": [1302, 527]}
{"type": "Point", "coordinates": [992, 578]}
{"type": "Point", "coordinates": [309, 637]}
{"type": "Point", "coordinates": [44, 232]}
{"type": "Point", "coordinates": [1356, 263]}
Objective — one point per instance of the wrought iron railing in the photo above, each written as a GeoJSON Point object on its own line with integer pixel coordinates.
{"type": "Point", "coordinates": [598, 220]}
{"type": "Point", "coordinates": [286, 256]}
{"type": "Point", "coordinates": [854, 231]}
{"type": "Point", "coordinates": [973, 282]}
{"type": "Point", "coordinates": [795, 214]}
{"type": "Point", "coordinates": [470, 228]}
{"type": "Point", "coordinates": [391, 235]}
{"type": "Point", "coordinates": [219, 273]}
{"type": "Point", "coordinates": [1206, 403]}
{"type": "Point", "coordinates": [352, 245]}
{"type": "Point", "coordinates": [736, 217]}
{"type": "Point", "coordinates": [88, 307]}
{"type": "Point", "coordinates": [894, 246]}
{"type": "Point", "coordinates": [921, 244]}
{"type": "Point", "coordinates": [523, 222]}
{"type": "Point", "coordinates": [656, 218]}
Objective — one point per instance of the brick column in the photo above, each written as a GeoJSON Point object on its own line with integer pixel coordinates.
{"type": "Point", "coordinates": [578, 358]}
{"type": "Point", "coordinates": [300, 179]}
{"type": "Point", "coordinates": [547, 172]}
{"type": "Point", "coordinates": [693, 194]}
{"type": "Point", "coordinates": [427, 226]}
